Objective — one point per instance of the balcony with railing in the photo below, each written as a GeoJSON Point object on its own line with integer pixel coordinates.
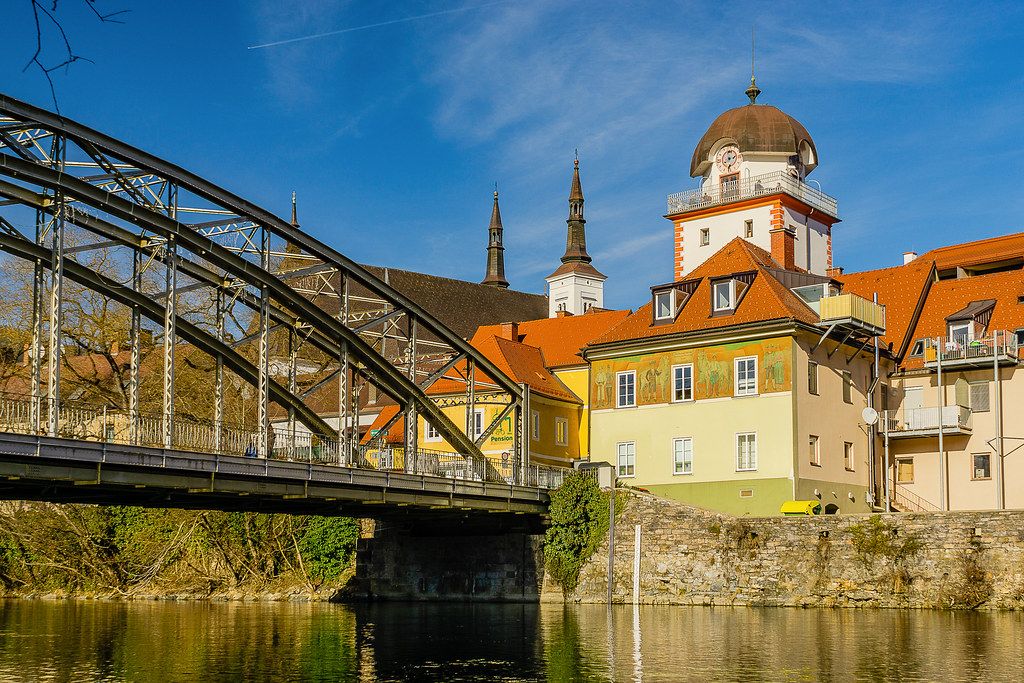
{"type": "Point", "coordinates": [962, 352]}
{"type": "Point", "coordinates": [906, 423]}
{"type": "Point", "coordinates": [750, 188]}
{"type": "Point", "coordinates": [852, 311]}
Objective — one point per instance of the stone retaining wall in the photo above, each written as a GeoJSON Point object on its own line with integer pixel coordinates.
{"type": "Point", "coordinates": [696, 557]}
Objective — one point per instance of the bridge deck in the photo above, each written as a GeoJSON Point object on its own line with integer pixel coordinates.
{"type": "Point", "coordinates": [74, 471]}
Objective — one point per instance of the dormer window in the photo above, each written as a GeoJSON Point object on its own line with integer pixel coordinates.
{"type": "Point", "coordinates": [723, 295]}
{"type": "Point", "coordinates": [961, 332]}
{"type": "Point", "coordinates": [664, 305]}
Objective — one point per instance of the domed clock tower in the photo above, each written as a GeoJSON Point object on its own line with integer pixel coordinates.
{"type": "Point", "coordinates": [752, 165]}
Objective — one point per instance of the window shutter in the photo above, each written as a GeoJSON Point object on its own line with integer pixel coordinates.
{"type": "Point", "coordinates": [979, 397]}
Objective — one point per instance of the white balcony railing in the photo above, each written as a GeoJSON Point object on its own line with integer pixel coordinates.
{"type": "Point", "coordinates": [905, 422]}
{"type": "Point", "coordinates": [754, 186]}
{"type": "Point", "coordinates": [961, 350]}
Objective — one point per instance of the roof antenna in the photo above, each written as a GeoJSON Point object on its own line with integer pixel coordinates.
{"type": "Point", "coordinates": [753, 91]}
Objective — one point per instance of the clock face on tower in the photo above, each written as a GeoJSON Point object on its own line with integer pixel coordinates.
{"type": "Point", "coordinates": [728, 160]}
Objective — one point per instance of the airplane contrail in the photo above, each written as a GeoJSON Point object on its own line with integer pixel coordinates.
{"type": "Point", "coordinates": [378, 24]}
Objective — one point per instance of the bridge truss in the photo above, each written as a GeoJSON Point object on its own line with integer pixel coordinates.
{"type": "Point", "coordinates": [209, 271]}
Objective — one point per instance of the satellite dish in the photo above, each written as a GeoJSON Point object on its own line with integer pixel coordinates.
{"type": "Point", "coordinates": [870, 415]}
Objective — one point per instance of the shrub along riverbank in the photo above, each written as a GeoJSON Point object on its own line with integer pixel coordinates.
{"type": "Point", "coordinates": [115, 551]}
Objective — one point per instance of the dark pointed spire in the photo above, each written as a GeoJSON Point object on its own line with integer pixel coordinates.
{"type": "Point", "coordinates": [495, 250]}
{"type": "Point", "coordinates": [295, 211]}
{"type": "Point", "coordinates": [576, 237]}
{"type": "Point", "coordinates": [753, 91]}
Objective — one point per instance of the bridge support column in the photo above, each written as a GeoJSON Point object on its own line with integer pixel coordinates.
{"type": "Point", "coordinates": [481, 560]}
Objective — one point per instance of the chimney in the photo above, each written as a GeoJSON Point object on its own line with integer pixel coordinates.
{"type": "Point", "coordinates": [835, 271]}
{"type": "Point", "coordinates": [784, 248]}
{"type": "Point", "coordinates": [510, 331]}
{"type": "Point", "coordinates": [909, 256]}
{"type": "Point", "coordinates": [563, 314]}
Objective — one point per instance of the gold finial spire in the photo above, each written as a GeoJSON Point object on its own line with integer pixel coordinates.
{"type": "Point", "coordinates": [753, 91]}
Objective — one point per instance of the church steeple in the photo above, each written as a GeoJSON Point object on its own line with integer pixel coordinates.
{"type": "Point", "coordinates": [495, 250]}
{"type": "Point", "coordinates": [576, 237]}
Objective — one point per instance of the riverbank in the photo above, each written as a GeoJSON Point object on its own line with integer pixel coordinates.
{"type": "Point", "coordinates": [688, 556]}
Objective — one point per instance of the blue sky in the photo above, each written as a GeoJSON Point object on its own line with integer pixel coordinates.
{"type": "Point", "coordinates": [393, 136]}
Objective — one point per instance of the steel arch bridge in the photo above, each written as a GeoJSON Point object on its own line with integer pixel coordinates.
{"type": "Point", "coordinates": [269, 295]}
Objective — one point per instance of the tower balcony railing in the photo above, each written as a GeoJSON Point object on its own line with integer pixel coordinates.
{"type": "Point", "coordinates": [750, 188]}
{"type": "Point", "coordinates": [960, 351]}
{"type": "Point", "coordinates": [904, 423]}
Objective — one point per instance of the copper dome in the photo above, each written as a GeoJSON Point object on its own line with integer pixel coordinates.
{"type": "Point", "coordinates": [755, 128]}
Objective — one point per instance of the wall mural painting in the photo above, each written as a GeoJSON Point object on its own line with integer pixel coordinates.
{"type": "Point", "coordinates": [712, 370]}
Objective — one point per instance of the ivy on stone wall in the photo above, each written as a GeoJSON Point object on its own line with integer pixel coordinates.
{"type": "Point", "coordinates": [579, 524]}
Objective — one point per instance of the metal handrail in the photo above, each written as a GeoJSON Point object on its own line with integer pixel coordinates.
{"type": "Point", "coordinates": [754, 186]}
{"type": "Point", "coordinates": [88, 422]}
{"type": "Point", "coordinates": [905, 499]}
{"type": "Point", "coordinates": [926, 418]}
{"type": "Point", "coordinates": [999, 342]}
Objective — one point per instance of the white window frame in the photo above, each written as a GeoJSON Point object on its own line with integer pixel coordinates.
{"type": "Point", "coordinates": [816, 455]}
{"type": "Point", "coordinates": [746, 391]}
{"type": "Point", "coordinates": [752, 465]}
{"type": "Point", "coordinates": [618, 392]}
{"type": "Point", "coordinates": [812, 371]}
{"type": "Point", "coordinates": [748, 229]}
{"type": "Point", "coordinates": [671, 295]}
{"type": "Point", "coordinates": [849, 456]}
{"type": "Point", "coordinates": [478, 422]}
{"type": "Point", "coordinates": [430, 433]}
{"type": "Point", "coordinates": [622, 449]}
{"type": "Point", "coordinates": [910, 459]}
{"type": "Point", "coordinates": [705, 237]}
{"type": "Point", "coordinates": [974, 469]}
{"type": "Point", "coordinates": [681, 379]}
{"type": "Point", "coordinates": [968, 328]}
{"type": "Point", "coordinates": [847, 386]}
{"type": "Point", "coordinates": [731, 284]}
{"type": "Point", "coordinates": [535, 425]}
{"type": "Point", "coordinates": [561, 431]}
{"type": "Point", "coordinates": [679, 466]}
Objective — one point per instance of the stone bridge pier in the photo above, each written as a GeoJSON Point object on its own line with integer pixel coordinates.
{"type": "Point", "coordinates": [495, 558]}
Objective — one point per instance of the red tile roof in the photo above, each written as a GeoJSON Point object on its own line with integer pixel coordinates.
{"type": "Point", "coordinates": [396, 434]}
{"type": "Point", "coordinates": [560, 340]}
{"type": "Point", "coordinates": [766, 299]}
{"type": "Point", "coordinates": [521, 362]}
{"type": "Point", "coordinates": [989, 250]}
{"type": "Point", "coordinates": [900, 289]}
{"type": "Point", "coordinates": [949, 296]}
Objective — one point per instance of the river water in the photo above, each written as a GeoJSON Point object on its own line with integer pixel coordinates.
{"type": "Point", "coordinates": [173, 641]}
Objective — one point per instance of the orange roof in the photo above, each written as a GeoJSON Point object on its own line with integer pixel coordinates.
{"type": "Point", "coordinates": [396, 434]}
{"type": "Point", "coordinates": [990, 250]}
{"type": "Point", "coordinates": [766, 299]}
{"type": "Point", "coordinates": [522, 363]}
{"type": "Point", "coordinates": [900, 289]}
{"type": "Point", "coordinates": [949, 296]}
{"type": "Point", "coordinates": [560, 339]}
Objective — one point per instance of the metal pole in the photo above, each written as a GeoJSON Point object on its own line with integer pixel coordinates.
{"type": "Point", "coordinates": [1000, 485]}
{"type": "Point", "coordinates": [56, 317]}
{"type": "Point", "coordinates": [136, 354]}
{"type": "Point", "coordinates": [263, 385]}
{"type": "Point", "coordinates": [943, 486]}
{"type": "Point", "coordinates": [873, 429]}
{"type": "Point", "coordinates": [522, 450]}
{"type": "Point", "coordinates": [170, 318]}
{"type": "Point", "coordinates": [888, 473]}
{"type": "Point", "coordinates": [471, 399]}
{"type": "Point", "coordinates": [344, 439]}
{"type": "Point", "coordinates": [292, 384]}
{"type": "Point", "coordinates": [611, 544]}
{"type": "Point", "coordinates": [411, 418]}
{"type": "Point", "coordinates": [636, 565]}
{"type": "Point", "coordinates": [218, 380]}
{"type": "Point", "coordinates": [36, 351]}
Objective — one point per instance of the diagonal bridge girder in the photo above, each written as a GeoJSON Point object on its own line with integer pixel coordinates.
{"type": "Point", "coordinates": [288, 303]}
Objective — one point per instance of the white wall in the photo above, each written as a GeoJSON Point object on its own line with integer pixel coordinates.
{"type": "Point", "coordinates": [724, 227]}
{"type": "Point", "coordinates": [574, 291]}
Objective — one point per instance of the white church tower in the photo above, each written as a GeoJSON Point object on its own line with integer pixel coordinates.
{"type": "Point", "coordinates": [576, 286]}
{"type": "Point", "coordinates": [752, 163]}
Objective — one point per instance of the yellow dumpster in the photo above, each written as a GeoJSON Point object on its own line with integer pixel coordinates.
{"type": "Point", "coordinates": [795, 508]}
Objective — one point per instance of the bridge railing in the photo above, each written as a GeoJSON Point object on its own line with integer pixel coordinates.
{"type": "Point", "coordinates": [27, 415]}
